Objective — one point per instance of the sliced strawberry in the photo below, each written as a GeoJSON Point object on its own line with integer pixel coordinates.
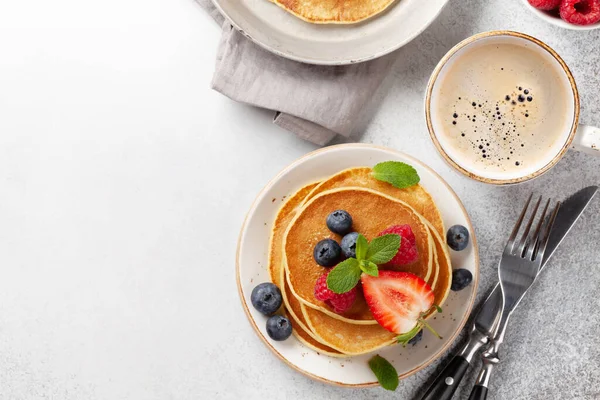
{"type": "Point", "coordinates": [397, 299]}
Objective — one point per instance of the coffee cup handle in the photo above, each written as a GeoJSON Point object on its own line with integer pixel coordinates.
{"type": "Point", "coordinates": [587, 140]}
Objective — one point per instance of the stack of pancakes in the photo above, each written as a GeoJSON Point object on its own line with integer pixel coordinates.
{"type": "Point", "coordinates": [374, 206]}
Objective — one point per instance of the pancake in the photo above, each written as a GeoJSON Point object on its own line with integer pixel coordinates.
{"type": "Point", "coordinates": [417, 197]}
{"type": "Point", "coordinates": [332, 334]}
{"type": "Point", "coordinates": [334, 11]}
{"type": "Point", "coordinates": [293, 310]}
{"type": "Point", "coordinates": [372, 212]}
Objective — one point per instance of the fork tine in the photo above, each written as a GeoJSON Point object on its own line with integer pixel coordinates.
{"type": "Point", "coordinates": [548, 228]}
{"type": "Point", "coordinates": [524, 239]}
{"type": "Point", "coordinates": [536, 238]}
{"type": "Point", "coordinates": [511, 240]}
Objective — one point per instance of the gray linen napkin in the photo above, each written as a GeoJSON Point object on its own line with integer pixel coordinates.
{"type": "Point", "coordinates": [315, 102]}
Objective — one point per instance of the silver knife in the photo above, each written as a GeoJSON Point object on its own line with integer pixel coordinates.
{"type": "Point", "coordinates": [483, 327]}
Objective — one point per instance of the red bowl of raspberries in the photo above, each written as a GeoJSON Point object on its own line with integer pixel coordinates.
{"type": "Point", "coordinates": [570, 14]}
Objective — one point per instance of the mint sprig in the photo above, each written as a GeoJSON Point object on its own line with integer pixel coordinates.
{"type": "Point", "coordinates": [385, 372]}
{"type": "Point", "coordinates": [362, 246]}
{"type": "Point", "coordinates": [382, 249]}
{"type": "Point", "coordinates": [369, 268]}
{"type": "Point", "coordinates": [346, 274]}
{"type": "Point", "coordinates": [396, 173]}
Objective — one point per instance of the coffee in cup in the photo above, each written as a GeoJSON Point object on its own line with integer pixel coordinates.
{"type": "Point", "coordinates": [502, 107]}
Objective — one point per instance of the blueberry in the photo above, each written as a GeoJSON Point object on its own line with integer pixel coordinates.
{"type": "Point", "coordinates": [461, 278]}
{"type": "Point", "coordinates": [417, 338]}
{"type": "Point", "coordinates": [279, 328]}
{"type": "Point", "coordinates": [327, 253]}
{"type": "Point", "coordinates": [266, 298]}
{"type": "Point", "coordinates": [339, 222]}
{"type": "Point", "coordinates": [349, 244]}
{"type": "Point", "coordinates": [457, 237]}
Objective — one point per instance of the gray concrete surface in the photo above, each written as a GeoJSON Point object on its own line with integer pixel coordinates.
{"type": "Point", "coordinates": [124, 181]}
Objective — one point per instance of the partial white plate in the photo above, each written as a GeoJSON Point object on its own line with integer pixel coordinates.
{"type": "Point", "coordinates": [252, 266]}
{"type": "Point", "coordinates": [286, 35]}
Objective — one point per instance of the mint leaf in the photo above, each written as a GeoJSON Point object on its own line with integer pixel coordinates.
{"type": "Point", "coordinates": [399, 174]}
{"type": "Point", "coordinates": [407, 336]}
{"type": "Point", "coordinates": [385, 372]}
{"type": "Point", "coordinates": [383, 248]}
{"type": "Point", "coordinates": [369, 268]}
{"type": "Point", "coordinates": [438, 308]}
{"type": "Point", "coordinates": [344, 276]}
{"type": "Point", "coordinates": [361, 247]}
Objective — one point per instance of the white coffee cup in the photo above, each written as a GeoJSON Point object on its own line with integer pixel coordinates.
{"type": "Point", "coordinates": [573, 135]}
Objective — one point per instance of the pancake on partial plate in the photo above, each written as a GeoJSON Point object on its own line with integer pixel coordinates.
{"type": "Point", "coordinates": [334, 11]}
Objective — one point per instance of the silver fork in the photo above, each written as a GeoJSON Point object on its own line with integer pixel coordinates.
{"type": "Point", "coordinates": [518, 268]}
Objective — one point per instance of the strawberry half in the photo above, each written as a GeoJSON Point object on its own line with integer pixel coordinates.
{"type": "Point", "coordinates": [397, 300]}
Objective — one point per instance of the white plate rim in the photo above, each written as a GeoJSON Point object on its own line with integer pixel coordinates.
{"type": "Point", "coordinates": [313, 61]}
{"type": "Point", "coordinates": [447, 343]}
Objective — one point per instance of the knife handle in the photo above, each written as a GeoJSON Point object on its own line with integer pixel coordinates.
{"type": "Point", "coordinates": [445, 384]}
{"type": "Point", "coordinates": [478, 393]}
{"type": "Point", "coordinates": [490, 360]}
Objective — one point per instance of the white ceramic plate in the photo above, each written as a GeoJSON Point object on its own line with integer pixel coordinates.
{"type": "Point", "coordinates": [252, 266]}
{"type": "Point", "coordinates": [286, 35]}
{"type": "Point", "coordinates": [557, 21]}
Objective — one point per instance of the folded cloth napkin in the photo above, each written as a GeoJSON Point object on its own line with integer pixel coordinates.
{"type": "Point", "coordinates": [315, 102]}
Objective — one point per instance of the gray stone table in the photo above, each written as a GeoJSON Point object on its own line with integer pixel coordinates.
{"type": "Point", "coordinates": [124, 181]}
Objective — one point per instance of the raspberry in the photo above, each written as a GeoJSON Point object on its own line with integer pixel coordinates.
{"type": "Point", "coordinates": [343, 302]}
{"type": "Point", "coordinates": [403, 230]}
{"type": "Point", "coordinates": [322, 292]}
{"type": "Point", "coordinates": [339, 302]}
{"type": "Point", "coordinates": [580, 12]}
{"type": "Point", "coordinates": [408, 252]}
{"type": "Point", "coordinates": [545, 4]}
